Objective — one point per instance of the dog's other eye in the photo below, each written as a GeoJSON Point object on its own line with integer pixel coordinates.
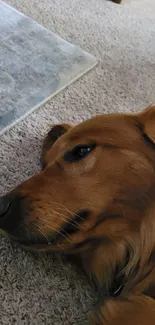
{"type": "Point", "coordinates": [79, 152]}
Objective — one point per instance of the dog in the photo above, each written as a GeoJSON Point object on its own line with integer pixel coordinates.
{"type": "Point", "coordinates": [95, 199]}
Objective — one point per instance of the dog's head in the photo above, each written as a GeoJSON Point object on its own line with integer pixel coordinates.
{"type": "Point", "coordinates": [97, 189]}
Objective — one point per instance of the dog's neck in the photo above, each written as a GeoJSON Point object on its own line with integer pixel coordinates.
{"type": "Point", "coordinates": [118, 268]}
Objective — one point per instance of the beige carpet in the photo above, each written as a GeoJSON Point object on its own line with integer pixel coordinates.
{"type": "Point", "coordinates": [37, 290]}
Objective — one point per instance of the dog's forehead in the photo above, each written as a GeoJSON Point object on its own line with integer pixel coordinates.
{"type": "Point", "coordinates": [108, 128]}
{"type": "Point", "coordinates": [103, 127]}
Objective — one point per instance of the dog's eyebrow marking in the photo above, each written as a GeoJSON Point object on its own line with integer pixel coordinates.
{"type": "Point", "coordinates": [71, 226]}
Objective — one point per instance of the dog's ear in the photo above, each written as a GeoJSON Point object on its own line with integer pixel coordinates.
{"type": "Point", "coordinates": [147, 120]}
{"type": "Point", "coordinates": [53, 135]}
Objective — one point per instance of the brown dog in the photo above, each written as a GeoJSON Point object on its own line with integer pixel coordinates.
{"type": "Point", "coordinates": [95, 199]}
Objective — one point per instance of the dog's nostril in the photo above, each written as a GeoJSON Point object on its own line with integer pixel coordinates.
{"type": "Point", "coordinates": [4, 206]}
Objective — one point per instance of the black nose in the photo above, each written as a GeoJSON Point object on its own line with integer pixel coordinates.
{"type": "Point", "coordinates": [12, 208]}
{"type": "Point", "coordinates": [5, 203]}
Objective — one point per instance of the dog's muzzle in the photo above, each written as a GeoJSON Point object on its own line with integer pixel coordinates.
{"type": "Point", "coordinates": [14, 220]}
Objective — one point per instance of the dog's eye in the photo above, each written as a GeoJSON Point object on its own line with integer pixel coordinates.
{"type": "Point", "coordinates": [78, 153]}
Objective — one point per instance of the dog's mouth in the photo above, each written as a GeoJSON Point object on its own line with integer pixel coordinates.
{"type": "Point", "coordinates": [34, 247]}
{"type": "Point", "coordinates": [32, 242]}
{"type": "Point", "coordinates": [38, 244]}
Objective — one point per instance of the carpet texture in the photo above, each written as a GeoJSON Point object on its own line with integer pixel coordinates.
{"type": "Point", "coordinates": [36, 290]}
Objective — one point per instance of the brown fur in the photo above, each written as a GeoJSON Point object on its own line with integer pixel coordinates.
{"type": "Point", "coordinates": [109, 199]}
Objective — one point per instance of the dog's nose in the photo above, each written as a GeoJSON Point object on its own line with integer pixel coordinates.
{"type": "Point", "coordinates": [12, 208]}
{"type": "Point", "coordinates": [4, 207]}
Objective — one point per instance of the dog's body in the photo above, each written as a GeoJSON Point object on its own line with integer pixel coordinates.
{"type": "Point", "coordinates": [95, 199]}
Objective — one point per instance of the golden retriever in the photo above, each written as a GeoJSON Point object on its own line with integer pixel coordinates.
{"type": "Point", "coordinates": [95, 199]}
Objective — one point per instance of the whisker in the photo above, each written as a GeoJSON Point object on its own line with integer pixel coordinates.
{"type": "Point", "coordinates": [63, 207]}
{"type": "Point", "coordinates": [72, 222]}
{"type": "Point", "coordinates": [43, 234]}
{"type": "Point", "coordinates": [74, 215]}
{"type": "Point", "coordinates": [49, 225]}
